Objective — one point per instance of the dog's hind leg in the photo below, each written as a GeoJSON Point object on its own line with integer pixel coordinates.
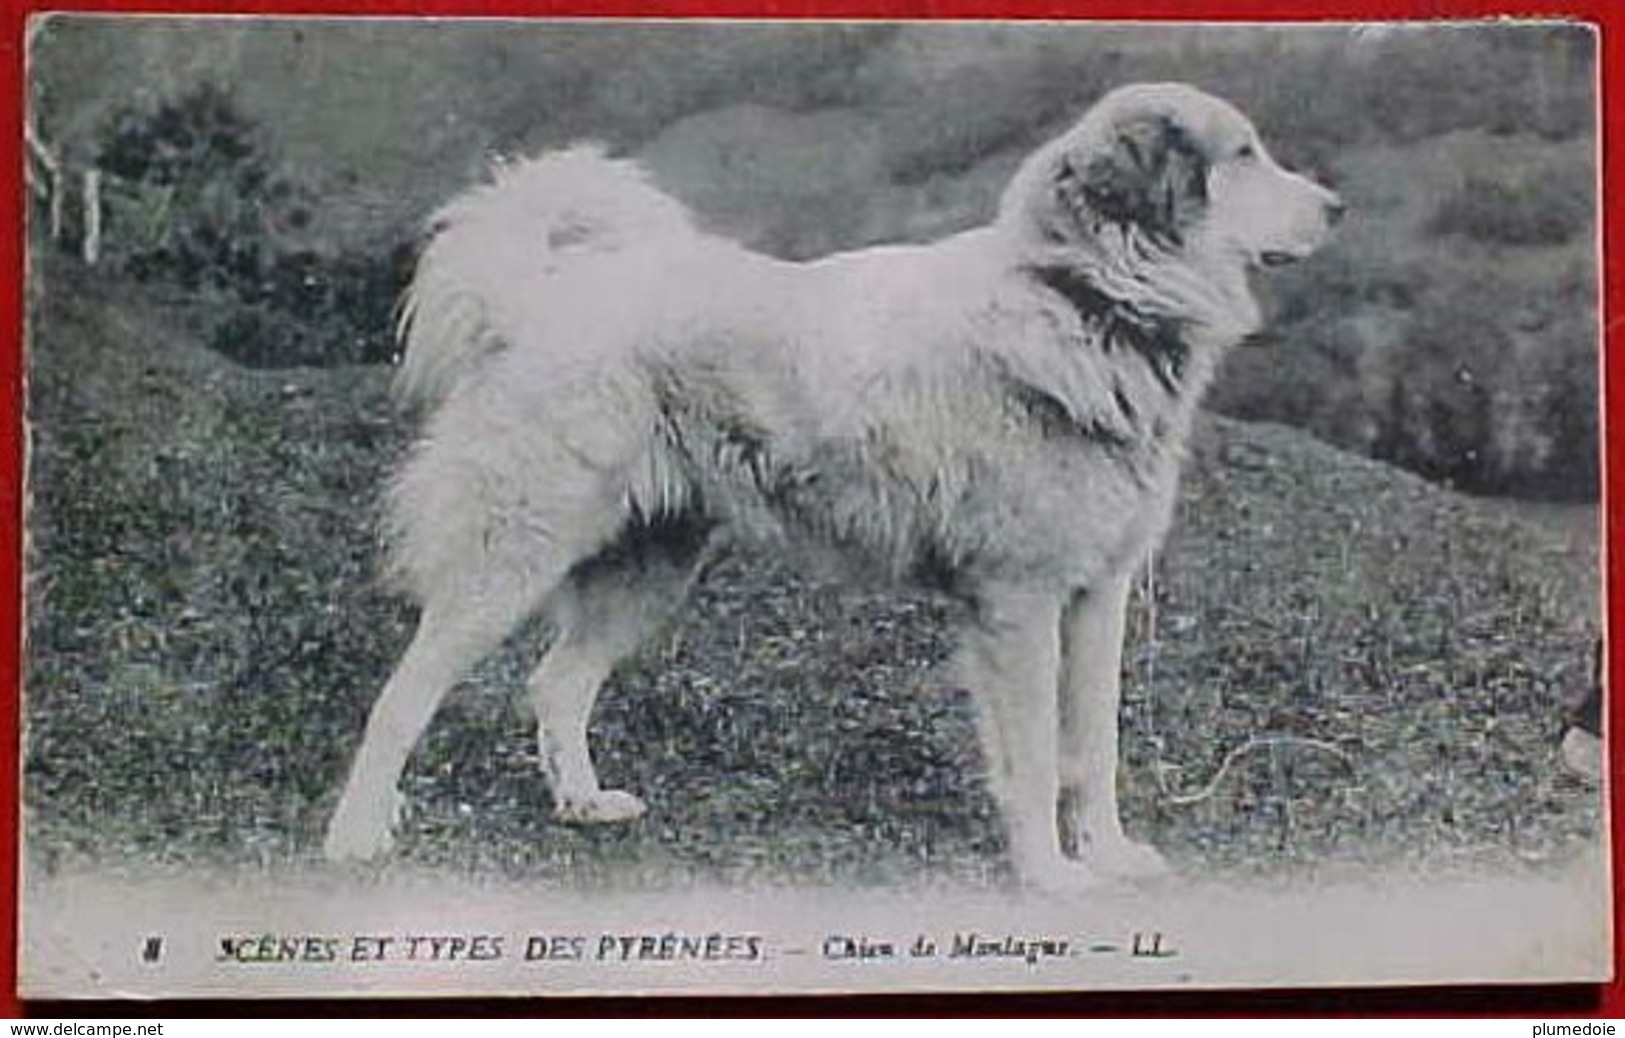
{"type": "Point", "coordinates": [452, 635]}
{"type": "Point", "coordinates": [1090, 690]}
{"type": "Point", "coordinates": [609, 607]}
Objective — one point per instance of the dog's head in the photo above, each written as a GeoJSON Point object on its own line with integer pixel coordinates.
{"type": "Point", "coordinates": [1166, 170]}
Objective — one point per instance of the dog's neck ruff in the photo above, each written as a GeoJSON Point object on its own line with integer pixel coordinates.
{"type": "Point", "coordinates": [1160, 341]}
{"type": "Point", "coordinates": [1175, 320]}
{"type": "Point", "coordinates": [1207, 299]}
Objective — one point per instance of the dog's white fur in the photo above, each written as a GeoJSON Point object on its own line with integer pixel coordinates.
{"type": "Point", "coordinates": [1001, 414]}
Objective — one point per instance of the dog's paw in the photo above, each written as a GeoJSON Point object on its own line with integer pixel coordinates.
{"type": "Point", "coordinates": [1126, 859]}
{"type": "Point", "coordinates": [599, 806]}
{"type": "Point", "coordinates": [363, 830]}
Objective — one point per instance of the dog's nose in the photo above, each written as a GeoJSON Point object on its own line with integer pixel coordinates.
{"type": "Point", "coordinates": [1336, 209]}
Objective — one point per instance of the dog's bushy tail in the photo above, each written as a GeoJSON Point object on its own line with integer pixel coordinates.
{"type": "Point", "coordinates": [493, 250]}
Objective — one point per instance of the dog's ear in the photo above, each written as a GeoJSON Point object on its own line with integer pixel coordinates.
{"type": "Point", "coordinates": [1148, 173]}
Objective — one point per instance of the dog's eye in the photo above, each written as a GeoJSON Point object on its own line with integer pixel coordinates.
{"type": "Point", "coordinates": [1247, 151]}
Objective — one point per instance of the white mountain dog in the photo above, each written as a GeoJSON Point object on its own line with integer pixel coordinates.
{"type": "Point", "coordinates": [1000, 415]}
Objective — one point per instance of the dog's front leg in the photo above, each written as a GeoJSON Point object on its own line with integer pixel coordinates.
{"type": "Point", "coordinates": [1010, 660]}
{"type": "Point", "coordinates": [1090, 688]}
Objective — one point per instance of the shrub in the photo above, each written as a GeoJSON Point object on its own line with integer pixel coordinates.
{"type": "Point", "coordinates": [1496, 405]}
{"type": "Point", "coordinates": [197, 197]}
{"type": "Point", "coordinates": [201, 201]}
{"type": "Point", "coordinates": [1473, 367]}
{"type": "Point", "coordinates": [1548, 210]}
{"type": "Point", "coordinates": [1473, 379]}
{"type": "Point", "coordinates": [318, 311]}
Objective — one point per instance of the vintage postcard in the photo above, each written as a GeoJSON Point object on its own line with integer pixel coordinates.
{"type": "Point", "coordinates": [535, 507]}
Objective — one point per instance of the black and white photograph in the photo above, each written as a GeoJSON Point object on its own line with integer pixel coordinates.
{"type": "Point", "coordinates": [523, 507]}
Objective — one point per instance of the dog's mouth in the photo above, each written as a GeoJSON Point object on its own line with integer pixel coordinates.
{"type": "Point", "coordinates": [1277, 258]}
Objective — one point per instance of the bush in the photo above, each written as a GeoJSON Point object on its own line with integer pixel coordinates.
{"type": "Point", "coordinates": [1470, 377]}
{"type": "Point", "coordinates": [317, 311]}
{"type": "Point", "coordinates": [1496, 405]}
{"type": "Point", "coordinates": [197, 199]}
{"type": "Point", "coordinates": [200, 201]}
{"type": "Point", "coordinates": [1549, 210]}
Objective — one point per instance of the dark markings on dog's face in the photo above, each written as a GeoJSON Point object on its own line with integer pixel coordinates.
{"type": "Point", "coordinates": [1153, 175]}
{"type": "Point", "coordinates": [1158, 342]}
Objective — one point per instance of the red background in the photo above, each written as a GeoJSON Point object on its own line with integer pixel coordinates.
{"type": "Point", "coordinates": [1535, 1001]}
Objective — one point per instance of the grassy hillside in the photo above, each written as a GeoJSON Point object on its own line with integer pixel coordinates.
{"type": "Point", "coordinates": [206, 632]}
